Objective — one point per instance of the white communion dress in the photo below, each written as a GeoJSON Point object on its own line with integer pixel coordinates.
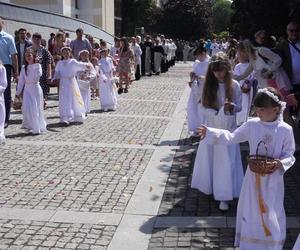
{"type": "Point", "coordinates": [33, 99]}
{"type": "Point", "coordinates": [261, 219]}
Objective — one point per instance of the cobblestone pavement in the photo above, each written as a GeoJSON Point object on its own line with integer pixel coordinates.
{"type": "Point", "coordinates": [37, 235]}
{"type": "Point", "coordinates": [202, 238]}
{"type": "Point", "coordinates": [91, 170]}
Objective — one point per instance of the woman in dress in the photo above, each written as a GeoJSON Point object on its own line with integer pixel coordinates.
{"type": "Point", "coordinates": [125, 64]}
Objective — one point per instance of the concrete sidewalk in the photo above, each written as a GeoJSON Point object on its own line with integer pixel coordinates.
{"type": "Point", "coordinates": [119, 181]}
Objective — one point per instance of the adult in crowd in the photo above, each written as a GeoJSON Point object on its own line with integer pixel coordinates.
{"type": "Point", "coordinates": [114, 50]}
{"type": "Point", "coordinates": [289, 50]}
{"type": "Point", "coordinates": [45, 59]}
{"type": "Point", "coordinates": [51, 43]}
{"type": "Point", "coordinates": [21, 46]}
{"type": "Point", "coordinates": [137, 57]}
{"type": "Point", "coordinates": [143, 48]}
{"type": "Point", "coordinates": [68, 40]}
{"type": "Point", "coordinates": [148, 55]}
{"type": "Point", "coordinates": [260, 38]}
{"type": "Point", "coordinates": [9, 59]}
{"type": "Point", "coordinates": [59, 43]}
{"type": "Point", "coordinates": [79, 44]}
{"type": "Point", "coordinates": [186, 51]}
{"type": "Point", "coordinates": [164, 62]}
{"type": "Point", "coordinates": [125, 64]}
{"type": "Point", "coordinates": [158, 52]}
{"type": "Point", "coordinates": [28, 36]}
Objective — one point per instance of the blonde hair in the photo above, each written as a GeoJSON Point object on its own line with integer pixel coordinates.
{"type": "Point", "coordinates": [218, 62]}
{"type": "Point", "coordinates": [248, 48]}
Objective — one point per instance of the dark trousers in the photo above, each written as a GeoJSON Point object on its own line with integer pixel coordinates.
{"type": "Point", "coordinates": [138, 73]}
{"type": "Point", "coordinates": [7, 92]}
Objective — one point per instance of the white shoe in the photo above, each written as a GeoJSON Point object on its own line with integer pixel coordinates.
{"type": "Point", "coordinates": [224, 206]}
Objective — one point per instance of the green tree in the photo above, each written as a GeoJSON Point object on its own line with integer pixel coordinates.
{"type": "Point", "coordinates": [189, 19]}
{"type": "Point", "coordinates": [137, 13]}
{"type": "Point", "coordinates": [252, 15]}
{"type": "Point", "coordinates": [222, 13]}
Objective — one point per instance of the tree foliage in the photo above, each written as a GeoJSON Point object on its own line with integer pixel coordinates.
{"type": "Point", "coordinates": [222, 13]}
{"type": "Point", "coordinates": [189, 19]}
{"type": "Point", "coordinates": [252, 15]}
{"type": "Point", "coordinates": [137, 13]}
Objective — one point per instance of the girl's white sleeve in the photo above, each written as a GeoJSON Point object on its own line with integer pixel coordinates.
{"type": "Point", "coordinates": [3, 80]}
{"type": "Point", "coordinates": [37, 73]}
{"type": "Point", "coordinates": [79, 66]}
{"type": "Point", "coordinates": [237, 97]}
{"type": "Point", "coordinates": [21, 82]}
{"type": "Point", "coordinates": [246, 73]}
{"type": "Point", "coordinates": [224, 137]}
{"type": "Point", "coordinates": [287, 158]}
{"type": "Point", "coordinates": [273, 57]}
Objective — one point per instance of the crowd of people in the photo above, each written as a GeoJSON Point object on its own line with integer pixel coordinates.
{"type": "Point", "coordinates": [82, 69]}
{"type": "Point", "coordinates": [247, 92]}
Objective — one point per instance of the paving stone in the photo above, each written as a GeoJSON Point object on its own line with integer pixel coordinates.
{"type": "Point", "coordinates": [41, 241]}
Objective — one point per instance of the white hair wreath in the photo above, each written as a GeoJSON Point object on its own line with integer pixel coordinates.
{"type": "Point", "coordinates": [274, 98]}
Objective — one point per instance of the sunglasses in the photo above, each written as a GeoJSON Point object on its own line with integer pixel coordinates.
{"type": "Point", "coordinates": [295, 30]}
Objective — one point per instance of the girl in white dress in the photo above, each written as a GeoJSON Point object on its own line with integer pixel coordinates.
{"type": "Point", "coordinates": [3, 85]}
{"type": "Point", "coordinates": [218, 169]}
{"type": "Point", "coordinates": [107, 87]}
{"type": "Point", "coordinates": [84, 79]}
{"type": "Point", "coordinates": [71, 105]}
{"type": "Point", "coordinates": [261, 220]}
{"type": "Point", "coordinates": [33, 99]}
{"type": "Point", "coordinates": [266, 65]}
{"type": "Point", "coordinates": [246, 86]}
{"type": "Point", "coordinates": [197, 76]}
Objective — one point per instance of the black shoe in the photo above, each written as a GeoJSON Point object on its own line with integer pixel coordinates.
{"type": "Point", "coordinates": [120, 91]}
{"type": "Point", "coordinates": [5, 124]}
{"type": "Point", "coordinates": [125, 90]}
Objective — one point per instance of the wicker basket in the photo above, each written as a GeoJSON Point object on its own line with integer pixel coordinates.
{"type": "Point", "coordinates": [17, 103]}
{"type": "Point", "coordinates": [261, 164]}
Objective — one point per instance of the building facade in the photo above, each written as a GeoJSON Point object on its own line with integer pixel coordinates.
{"type": "Point", "coordinates": [98, 12]}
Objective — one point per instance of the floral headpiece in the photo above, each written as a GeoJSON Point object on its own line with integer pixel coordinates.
{"type": "Point", "coordinates": [274, 97]}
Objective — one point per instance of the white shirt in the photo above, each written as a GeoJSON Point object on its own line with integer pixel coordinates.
{"type": "Point", "coordinates": [295, 60]}
{"type": "Point", "coordinates": [137, 53]}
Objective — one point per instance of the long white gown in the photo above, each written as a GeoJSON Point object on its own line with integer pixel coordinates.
{"type": "Point", "coordinates": [242, 116]}
{"type": "Point", "coordinates": [218, 169]}
{"type": "Point", "coordinates": [3, 85]}
{"type": "Point", "coordinates": [71, 105]}
{"type": "Point", "coordinates": [33, 99]}
{"type": "Point", "coordinates": [253, 224]}
{"type": "Point", "coordinates": [84, 79]}
{"type": "Point", "coordinates": [107, 88]}
{"type": "Point", "coordinates": [194, 117]}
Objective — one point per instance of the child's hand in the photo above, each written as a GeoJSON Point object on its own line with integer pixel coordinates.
{"type": "Point", "coordinates": [202, 132]}
{"type": "Point", "coordinates": [228, 107]}
{"type": "Point", "coordinates": [277, 165]}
